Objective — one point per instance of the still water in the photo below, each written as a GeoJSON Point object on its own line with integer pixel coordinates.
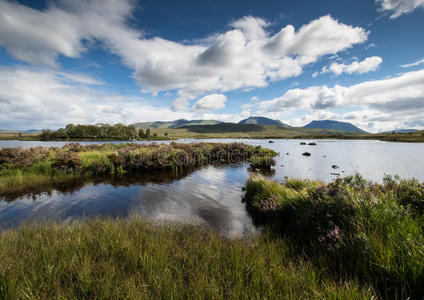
{"type": "Point", "coordinates": [211, 195]}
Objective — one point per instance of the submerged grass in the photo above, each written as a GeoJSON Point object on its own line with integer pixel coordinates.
{"type": "Point", "coordinates": [41, 168]}
{"type": "Point", "coordinates": [135, 259]}
{"type": "Point", "coordinates": [356, 229]}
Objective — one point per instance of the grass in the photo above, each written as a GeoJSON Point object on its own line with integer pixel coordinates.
{"type": "Point", "coordinates": [135, 259]}
{"type": "Point", "coordinates": [36, 169]}
{"type": "Point", "coordinates": [354, 228]}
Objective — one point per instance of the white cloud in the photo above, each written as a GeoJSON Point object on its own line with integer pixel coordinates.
{"type": "Point", "coordinates": [33, 98]}
{"type": "Point", "coordinates": [399, 7]}
{"type": "Point", "coordinates": [210, 102]}
{"type": "Point", "coordinates": [254, 98]}
{"type": "Point", "coordinates": [367, 65]}
{"type": "Point", "coordinates": [397, 100]}
{"type": "Point", "coordinates": [246, 56]}
{"type": "Point", "coordinates": [38, 37]}
{"type": "Point", "coordinates": [414, 64]}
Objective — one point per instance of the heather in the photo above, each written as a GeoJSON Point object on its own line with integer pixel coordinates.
{"type": "Point", "coordinates": [36, 168]}
{"type": "Point", "coordinates": [352, 227]}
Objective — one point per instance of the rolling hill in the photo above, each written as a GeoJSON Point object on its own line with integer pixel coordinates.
{"type": "Point", "coordinates": [263, 121]}
{"type": "Point", "coordinates": [174, 124]}
{"type": "Point", "coordinates": [333, 125]}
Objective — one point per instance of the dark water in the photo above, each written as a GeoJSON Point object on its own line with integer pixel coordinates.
{"type": "Point", "coordinates": [211, 195]}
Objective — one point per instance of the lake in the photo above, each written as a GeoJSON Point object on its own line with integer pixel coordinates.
{"type": "Point", "coordinates": [211, 195]}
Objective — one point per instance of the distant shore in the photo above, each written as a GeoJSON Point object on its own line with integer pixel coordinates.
{"type": "Point", "coordinates": [398, 137]}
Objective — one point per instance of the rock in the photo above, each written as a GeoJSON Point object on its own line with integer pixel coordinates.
{"type": "Point", "coordinates": [287, 153]}
{"type": "Point", "coordinates": [271, 142]}
{"type": "Point", "coordinates": [335, 166]}
{"type": "Point", "coordinates": [337, 174]}
{"type": "Point", "coordinates": [306, 154]}
{"type": "Point", "coordinates": [303, 143]}
{"type": "Point", "coordinates": [324, 156]}
{"type": "Point", "coordinates": [312, 144]}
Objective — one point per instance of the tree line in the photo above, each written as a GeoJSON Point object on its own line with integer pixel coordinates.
{"type": "Point", "coordinates": [98, 131]}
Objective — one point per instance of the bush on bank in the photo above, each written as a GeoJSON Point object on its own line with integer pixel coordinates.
{"type": "Point", "coordinates": [355, 228]}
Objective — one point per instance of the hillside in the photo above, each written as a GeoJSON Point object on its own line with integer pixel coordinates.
{"type": "Point", "coordinates": [334, 125]}
{"type": "Point", "coordinates": [174, 124]}
{"type": "Point", "coordinates": [262, 121]}
{"type": "Point", "coordinates": [232, 130]}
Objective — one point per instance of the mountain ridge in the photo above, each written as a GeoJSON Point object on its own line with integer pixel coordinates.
{"type": "Point", "coordinates": [335, 125]}
{"type": "Point", "coordinates": [262, 121]}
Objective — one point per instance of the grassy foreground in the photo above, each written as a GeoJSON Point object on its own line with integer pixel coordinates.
{"type": "Point", "coordinates": [134, 259]}
{"type": "Point", "coordinates": [351, 227]}
{"type": "Point", "coordinates": [23, 170]}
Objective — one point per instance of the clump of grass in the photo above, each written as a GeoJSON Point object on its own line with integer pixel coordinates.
{"type": "Point", "coordinates": [135, 259]}
{"type": "Point", "coordinates": [262, 162]}
{"type": "Point", "coordinates": [23, 169]}
{"type": "Point", "coordinates": [353, 227]}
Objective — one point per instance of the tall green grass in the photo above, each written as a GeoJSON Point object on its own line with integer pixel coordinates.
{"type": "Point", "coordinates": [135, 259]}
{"type": "Point", "coordinates": [356, 229]}
{"type": "Point", "coordinates": [25, 170]}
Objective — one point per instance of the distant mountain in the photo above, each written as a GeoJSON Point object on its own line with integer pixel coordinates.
{"type": "Point", "coordinates": [174, 124]}
{"type": "Point", "coordinates": [263, 121]}
{"type": "Point", "coordinates": [334, 125]}
{"type": "Point", "coordinates": [402, 131]}
{"type": "Point", "coordinates": [19, 131]}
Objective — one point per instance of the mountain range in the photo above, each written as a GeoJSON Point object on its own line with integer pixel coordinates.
{"type": "Point", "coordinates": [401, 131]}
{"type": "Point", "coordinates": [182, 123]}
{"type": "Point", "coordinates": [174, 124]}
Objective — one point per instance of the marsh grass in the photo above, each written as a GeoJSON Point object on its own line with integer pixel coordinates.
{"type": "Point", "coordinates": [135, 259]}
{"type": "Point", "coordinates": [43, 168]}
{"type": "Point", "coordinates": [355, 228]}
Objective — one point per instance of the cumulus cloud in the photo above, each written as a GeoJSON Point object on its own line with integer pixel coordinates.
{"type": "Point", "coordinates": [33, 98]}
{"type": "Point", "coordinates": [396, 99]}
{"type": "Point", "coordinates": [210, 102]}
{"type": "Point", "coordinates": [367, 65]}
{"type": "Point", "coordinates": [414, 64]}
{"type": "Point", "coordinates": [399, 7]}
{"type": "Point", "coordinates": [405, 92]}
{"type": "Point", "coordinates": [248, 55]}
{"type": "Point", "coordinates": [38, 37]}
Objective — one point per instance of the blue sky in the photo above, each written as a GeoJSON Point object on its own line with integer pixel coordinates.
{"type": "Point", "coordinates": [128, 61]}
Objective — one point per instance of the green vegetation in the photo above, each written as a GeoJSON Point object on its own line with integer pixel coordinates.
{"type": "Point", "coordinates": [38, 168]}
{"type": "Point", "coordinates": [93, 132]}
{"type": "Point", "coordinates": [135, 259]}
{"type": "Point", "coordinates": [352, 228]}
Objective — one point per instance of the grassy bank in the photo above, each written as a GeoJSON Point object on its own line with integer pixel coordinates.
{"type": "Point", "coordinates": [24, 170]}
{"type": "Point", "coordinates": [351, 227]}
{"type": "Point", "coordinates": [133, 259]}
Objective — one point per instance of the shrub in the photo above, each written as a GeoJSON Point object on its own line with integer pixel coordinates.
{"type": "Point", "coordinates": [66, 162]}
{"type": "Point", "coordinates": [351, 226]}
